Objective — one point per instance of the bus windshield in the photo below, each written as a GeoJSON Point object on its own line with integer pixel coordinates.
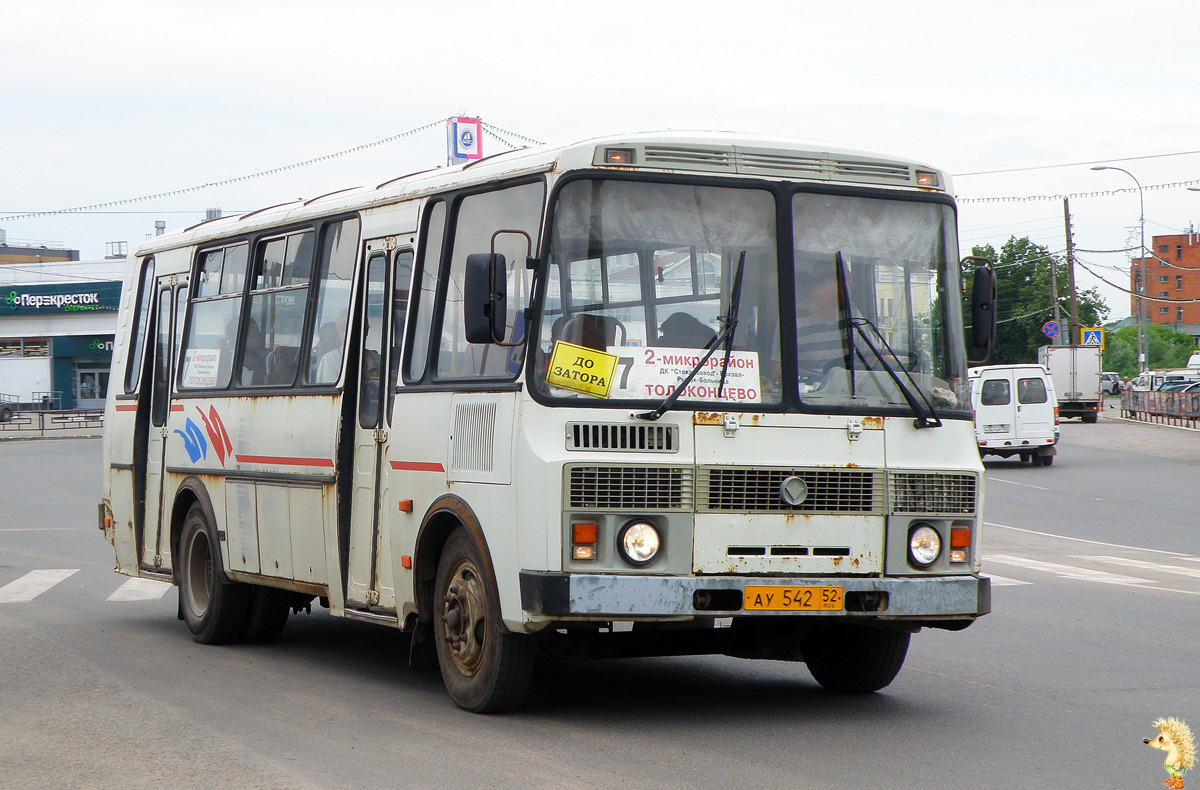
{"type": "Point", "coordinates": [863, 343]}
{"type": "Point", "coordinates": [641, 275]}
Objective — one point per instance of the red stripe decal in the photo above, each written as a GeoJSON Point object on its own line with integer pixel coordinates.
{"type": "Point", "coordinates": [126, 407]}
{"type": "Point", "coordinates": [283, 460]}
{"type": "Point", "coordinates": [417, 466]}
{"type": "Point", "coordinates": [177, 407]}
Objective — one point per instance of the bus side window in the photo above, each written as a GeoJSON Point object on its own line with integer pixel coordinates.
{"type": "Point", "coordinates": [133, 370]}
{"type": "Point", "coordinates": [479, 216]}
{"type": "Point", "coordinates": [271, 343]}
{"type": "Point", "coordinates": [425, 289]}
{"type": "Point", "coordinates": [216, 310]}
{"type": "Point", "coordinates": [401, 283]}
{"type": "Point", "coordinates": [335, 272]}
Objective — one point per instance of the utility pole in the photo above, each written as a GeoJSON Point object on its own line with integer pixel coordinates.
{"type": "Point", "coordinates": [1057, 340]}
{"type": "Point", "coordinates": [1075, 335]}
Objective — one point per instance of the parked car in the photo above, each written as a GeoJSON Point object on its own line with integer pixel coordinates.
{"type": "Point", "coordinates": [1110, 383]}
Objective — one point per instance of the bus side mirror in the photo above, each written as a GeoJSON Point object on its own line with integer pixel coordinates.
{"type": "Point", "coordinates": [983, 307]}
{"type": "Point", "coordinates": [485, 297]}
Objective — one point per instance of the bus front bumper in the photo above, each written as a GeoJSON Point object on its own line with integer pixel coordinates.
{"type": "Point", "coordinates": [925, 598]}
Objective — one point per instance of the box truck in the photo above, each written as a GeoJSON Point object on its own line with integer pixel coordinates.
{"type": "Point", "coordinates": [1075, 371]}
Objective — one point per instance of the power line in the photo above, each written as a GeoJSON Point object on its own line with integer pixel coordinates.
{"type": "Point", "coordinates": [1073, 164]}
{"type": "Point", "coordinates": [1100, 193]}
{"type": "Point", "coordinates": [197, 188]}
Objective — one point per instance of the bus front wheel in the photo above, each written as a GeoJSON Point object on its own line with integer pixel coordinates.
{"type": "Point", "coordinates": [485, 668]}
{"type": "Point", "coordinates": [854, 659]}
{"type": "Point", "coordinates": [213, 609]}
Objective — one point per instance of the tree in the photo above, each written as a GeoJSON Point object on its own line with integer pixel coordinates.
{"type": "Point", "coordinates": [1023, 303]}
{"type": "Point", "coordinates": [1168, 349]}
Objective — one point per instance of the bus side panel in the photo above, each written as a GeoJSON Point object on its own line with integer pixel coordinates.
{"type": "Point", "coordinates": [415, 467]}
{"type": "Point", "coordinates": [241, 507]}
{"type": "Point", "coordinates": [276, 512]}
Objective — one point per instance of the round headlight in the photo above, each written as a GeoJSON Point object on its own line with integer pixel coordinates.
{"type": "Point", "coordinates": [639, 542]}
{"type": "Point", "coordinates": [924, 545]}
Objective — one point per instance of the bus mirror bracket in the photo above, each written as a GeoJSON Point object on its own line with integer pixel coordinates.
{"type": "Point", "coordinates": [983, 306]}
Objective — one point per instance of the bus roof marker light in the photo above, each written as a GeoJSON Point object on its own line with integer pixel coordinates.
{"type": "Point", "coordinates": [928, 178]}
{"type": "Point", "coordinates": [619, 156]}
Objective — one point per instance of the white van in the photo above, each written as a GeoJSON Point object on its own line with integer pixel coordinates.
{"type": "Point", "coordinates": [1016, 412]}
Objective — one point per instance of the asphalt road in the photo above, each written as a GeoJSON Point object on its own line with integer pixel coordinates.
{"type": "Point", "coordinates": [1093, 635]}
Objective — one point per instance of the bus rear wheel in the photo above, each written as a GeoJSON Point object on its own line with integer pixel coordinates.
{"type": "Point", "coordinates": [213, 609]}
{"type": "Point", "coordinates": [485, 668]}
{"type": "Point", "coordinates": [853, 659]}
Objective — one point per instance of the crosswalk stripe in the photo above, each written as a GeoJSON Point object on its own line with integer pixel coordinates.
{"type": "Point", "coordinates": [33, 584]}
{"type": "Point", "coordinates": [1066, 571]}
{"type": "Point", "coordinates": [1179, 570]}
{"type": "Point", "coordinates": [140, 590]}
{"type": "Point", "coordinates": [1005, 581]}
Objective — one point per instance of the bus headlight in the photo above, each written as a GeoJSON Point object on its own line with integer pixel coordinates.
{"type": "Point", "coordinates": [924, 545]}
{"type": "Point", "coordinates": [639, 543]}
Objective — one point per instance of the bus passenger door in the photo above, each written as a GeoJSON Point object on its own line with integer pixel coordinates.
{"type": "Point", "coordinates": [370, 435]}
{"type": "Point", "coordinates": [170, 301]}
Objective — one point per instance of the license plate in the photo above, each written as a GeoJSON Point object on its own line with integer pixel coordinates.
{"type": "Point", "coordinates": [995, 429]}
{"type": "Point", "coordinates": [793, 599]}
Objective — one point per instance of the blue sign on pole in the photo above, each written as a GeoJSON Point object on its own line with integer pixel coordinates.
{"type": "Point", "coordinates": [1051, 329]}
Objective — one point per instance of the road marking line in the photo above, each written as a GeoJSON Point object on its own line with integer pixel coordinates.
{"type": "Point", "coordinates": [1004, 581]}
{"type": "Point", "coordinates": [1144, 565]}
{"type": "Point", "coordinates": [1067, 571]}
{"type": "Point", "coordinates": [33, 584]}
{"type": "Point", "coordinates": [140, 590]}
{"type": "Point", "coordinates": [1175, 554]}
{"type": "Point", "coordinates": [1015, 483]}
{"type": "Point", "coordinates": [43, 529]}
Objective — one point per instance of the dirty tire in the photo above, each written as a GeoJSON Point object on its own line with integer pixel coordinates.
{"type": "Point", "coordinates": [485, 668]}
{"type": "Point", "coordinates": [213, 609]}
{"type": "Point", "coordinates": [853, 659]}
{"type": "Point", "coordinates": [266, 614]}
{"type": "Point", "coordinates": [1047, 460]}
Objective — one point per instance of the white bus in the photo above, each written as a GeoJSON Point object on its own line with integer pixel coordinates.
{"type": "Point", "coordinates": [656, 394]}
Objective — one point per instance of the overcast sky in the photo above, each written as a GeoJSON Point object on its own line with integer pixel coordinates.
{"type": "Point", "coordinates": [105, 101]}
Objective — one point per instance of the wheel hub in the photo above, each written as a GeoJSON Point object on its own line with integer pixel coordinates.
{"type": "Point", "coordinates": [463, 616]}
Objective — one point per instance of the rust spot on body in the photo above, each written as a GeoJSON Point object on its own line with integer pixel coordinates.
{"type": "Point", "coordinates": [872, 423]}
{"type": "Point", "coordinates": [707, 418]}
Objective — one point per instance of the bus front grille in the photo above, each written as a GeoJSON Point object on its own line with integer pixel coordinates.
{"type": "Point", "coordinates": [749, 490]}
{"type": "Point", "coordinates": [933, 492]}
{"type": "Point", "coordinates": [633, 488]}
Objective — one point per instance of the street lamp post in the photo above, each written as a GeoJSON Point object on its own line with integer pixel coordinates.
{"type": "Point", "coordinates": [1142, 330]}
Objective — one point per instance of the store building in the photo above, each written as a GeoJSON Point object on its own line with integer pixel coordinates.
{"type": "Point", "coordinates": [57, 323]}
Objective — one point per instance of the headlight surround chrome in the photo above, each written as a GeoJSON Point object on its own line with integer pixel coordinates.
{"type": "Point", "coordinates": [639, 543]}
{"type": "Point", "coordinates": [924, 545]}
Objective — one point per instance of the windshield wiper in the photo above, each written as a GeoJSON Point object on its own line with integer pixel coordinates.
{"type": "Point", "coordinates": [724, 339]}
{"type": "Point", "coordinates": [921, 421]}
{"type": "Point", "coordinates": [849, 323]}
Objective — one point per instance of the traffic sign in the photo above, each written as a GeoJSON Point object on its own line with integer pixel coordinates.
{"type": "Point", "coordinates": [1093, 336]}
{"type": "Point", "coordinates": [1051, 329]}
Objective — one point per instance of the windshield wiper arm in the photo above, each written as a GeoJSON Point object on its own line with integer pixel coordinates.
{"type": "Point", "coordinates": [921, 421]}
{"type": "Point", "coordinates": [735, 298]}
{"type": "Point", "coordinates": [730, 322]}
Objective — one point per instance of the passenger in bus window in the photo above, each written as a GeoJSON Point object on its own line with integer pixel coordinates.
{"type": "Point", "coordinates": [328, 352]}
{"type": "Point", "coordinates": [254, 359]}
